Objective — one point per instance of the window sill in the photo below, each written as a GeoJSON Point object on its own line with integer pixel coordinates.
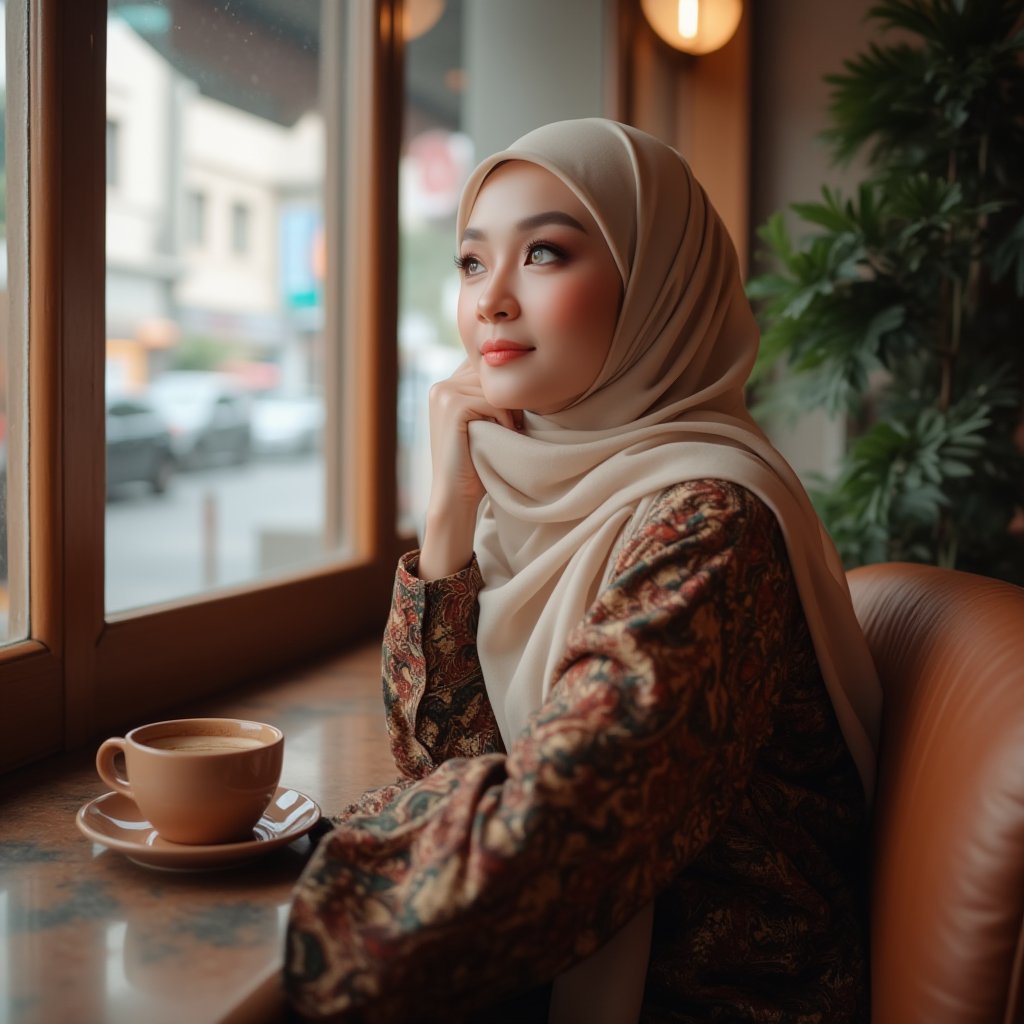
{"type": "Point", "coordinates": [93, 936]}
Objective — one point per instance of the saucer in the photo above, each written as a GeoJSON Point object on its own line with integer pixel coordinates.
{"type": "Point", "coordinates": [115, 822]}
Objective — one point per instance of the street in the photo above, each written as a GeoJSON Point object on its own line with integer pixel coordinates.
{"type": "Point", "coordinates": [262, 516]}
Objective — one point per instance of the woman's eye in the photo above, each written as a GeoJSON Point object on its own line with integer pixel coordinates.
{"type": "Point", "coordinates": [538, 255]}
{"type": "Point", "coordinates": [469, 265]}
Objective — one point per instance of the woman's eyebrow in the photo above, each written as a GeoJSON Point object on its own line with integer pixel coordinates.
{"type": "Point", "coordinates": [551, 217]}
{"type": "Point", "coordinates": [529, 223]}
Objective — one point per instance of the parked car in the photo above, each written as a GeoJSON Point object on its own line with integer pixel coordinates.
{"type": "Point", "coordinates": [284, 424]}
{"type": "Point", "coordinates": [138, 444]}
{"type": "Point", "coordinates": [209, 416]}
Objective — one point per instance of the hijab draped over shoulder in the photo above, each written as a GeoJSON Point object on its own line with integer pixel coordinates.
{"type": "Point", "coordinates": [666, 407]}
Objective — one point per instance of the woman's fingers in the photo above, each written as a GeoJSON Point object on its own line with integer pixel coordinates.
{"type": "Point", "coordinates": [461, 397]}
{"type": "Point", "coordinates": [456, 488]}
{"type": "Point", "coordinates": [467, 380]}
{"type": "Point", "coordinates": [454, 404]}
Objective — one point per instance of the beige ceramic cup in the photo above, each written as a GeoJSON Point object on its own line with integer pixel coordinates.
{"type": "Point", "coordinates": [197, 780]}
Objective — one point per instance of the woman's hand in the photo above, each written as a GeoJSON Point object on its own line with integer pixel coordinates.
{"type": "Point", "coordinates": [455, 489]}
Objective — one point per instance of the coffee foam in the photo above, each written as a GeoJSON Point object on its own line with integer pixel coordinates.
{"type": "Point", "coordinates": [202, 744]}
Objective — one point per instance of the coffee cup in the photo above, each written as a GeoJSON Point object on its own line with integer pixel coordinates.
{"type": "Point", "coordinates": [197, 780]}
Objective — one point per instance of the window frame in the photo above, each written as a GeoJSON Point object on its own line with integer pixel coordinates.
{"type": "Point", "coordinates": [82, 672]}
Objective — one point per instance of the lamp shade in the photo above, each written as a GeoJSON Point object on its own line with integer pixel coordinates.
{"type": "Point", "coordinates": [694, 26]}
{"type": "Point", "coordinates": [420, 16]}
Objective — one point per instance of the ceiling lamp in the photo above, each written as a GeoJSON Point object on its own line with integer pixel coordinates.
{"type": "Point", "coordinates": [694, 26]}
{"type": "Point", "coordinates": [419, 17]}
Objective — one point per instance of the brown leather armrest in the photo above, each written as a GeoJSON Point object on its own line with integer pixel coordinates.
{"type": "Point", "coordinates": [948, 860]}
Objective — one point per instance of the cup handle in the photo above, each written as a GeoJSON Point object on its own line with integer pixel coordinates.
{"type": "Point", "coordinates": [109, 749]}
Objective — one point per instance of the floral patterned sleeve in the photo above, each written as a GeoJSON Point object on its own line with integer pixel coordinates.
{"type": "Point", "coordinates": [494, 873]}
{"type": "Point", "coordinates": [434, 696]}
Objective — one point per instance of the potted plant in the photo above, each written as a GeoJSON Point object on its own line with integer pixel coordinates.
{"type": "Point", "coordinates": [902, 306]}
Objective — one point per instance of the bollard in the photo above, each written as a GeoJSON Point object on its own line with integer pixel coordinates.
{"type": "Point", "coordinates": [209, 530]}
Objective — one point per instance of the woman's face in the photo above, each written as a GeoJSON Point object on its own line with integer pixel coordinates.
{"type": "Point", "coordinates": [540, 291]}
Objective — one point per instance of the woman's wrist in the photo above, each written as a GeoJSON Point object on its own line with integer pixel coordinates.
{"type": "Point", "coordinates": [447, 543]}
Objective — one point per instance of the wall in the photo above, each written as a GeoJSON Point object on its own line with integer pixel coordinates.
{"type": "Point", "coordinates": [796, 43]}
{"type": "Point", "coordinates": [529, 63]}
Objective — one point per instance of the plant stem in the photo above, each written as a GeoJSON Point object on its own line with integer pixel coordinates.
{"type": "Point", "coordinates": [948, 353]}
{"type": "Point", "coordinates": [974, 267]}
{"type": "Point", "coordinates": [945, 531]}
{"type": "Point", "coordinates": [947, 553]}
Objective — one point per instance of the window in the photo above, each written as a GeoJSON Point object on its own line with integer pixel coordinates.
{"type": "Point", "coordinates": [230, 352]}
{"type": "Point", "coordinates": [99, 648]}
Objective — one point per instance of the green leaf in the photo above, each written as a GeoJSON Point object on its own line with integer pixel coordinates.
{"type": "Point", "coordinates": [955, 468]}
{"type": "Point", "coordinates": [775, 235]}
{"type": "Point", "coordinates": [767, 286]}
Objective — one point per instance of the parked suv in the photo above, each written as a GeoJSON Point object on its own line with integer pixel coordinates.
{"type": "Point", "coordinates": [209, 416]}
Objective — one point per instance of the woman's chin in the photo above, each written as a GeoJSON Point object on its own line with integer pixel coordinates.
{"type": "Point", "coordinates": [503, 398]}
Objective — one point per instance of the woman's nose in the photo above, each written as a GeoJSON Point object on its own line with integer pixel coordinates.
{"type": "Point", "coordinates": [497, 302]}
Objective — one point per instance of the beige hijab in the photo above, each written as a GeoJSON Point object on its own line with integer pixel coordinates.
{"type": "Point", "coordinates": [667, 406]}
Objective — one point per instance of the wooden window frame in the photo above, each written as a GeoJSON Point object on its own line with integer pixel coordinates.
{"type": "Point", "coordinates": [83, 673]}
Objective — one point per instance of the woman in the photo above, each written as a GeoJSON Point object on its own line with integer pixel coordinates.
{"type": "Point", "coordinates": [622, 672]}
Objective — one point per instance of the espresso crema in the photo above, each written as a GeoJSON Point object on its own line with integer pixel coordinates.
{"type": "Point", "coordinates": [204, 744]}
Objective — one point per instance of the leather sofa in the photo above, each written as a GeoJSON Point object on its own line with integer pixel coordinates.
{"type": "Point", "coordinates": [947, 900]}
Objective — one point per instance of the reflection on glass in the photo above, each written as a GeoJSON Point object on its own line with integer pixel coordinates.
{"type": "Point", "coordinates": [436, 158]}
{"type": "Point", "coordinates": [13, 296]}
{"type": "Point", "coordinates": [477, 77]}
{"type": "Point", "coordinates": [215, 273]}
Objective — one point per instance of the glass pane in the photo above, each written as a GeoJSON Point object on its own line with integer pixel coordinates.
{"type": "Point", "coordinates": [437, 155]}
{"type": "Point", "coordinates": [13, 323]}
{"type": "Point", "coordinates": [469, 93]}
{"type": "Point", "coordinates": [215, 285]}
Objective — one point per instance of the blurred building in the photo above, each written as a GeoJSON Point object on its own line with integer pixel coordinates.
{"type": "Point", "coordinates": [214, 214]}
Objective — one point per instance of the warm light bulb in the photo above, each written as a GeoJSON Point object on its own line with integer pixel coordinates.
{"type": "Point", "coordinates": [694, 26]}
{"type": "Point", "coordinates": [688, 13]}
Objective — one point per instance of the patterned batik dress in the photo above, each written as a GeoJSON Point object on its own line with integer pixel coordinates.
{"type": "Point", "coordinates": [688, 754]}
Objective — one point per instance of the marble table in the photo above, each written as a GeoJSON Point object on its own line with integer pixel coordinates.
{"type": "Point", "coordinates": [89, 937]}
